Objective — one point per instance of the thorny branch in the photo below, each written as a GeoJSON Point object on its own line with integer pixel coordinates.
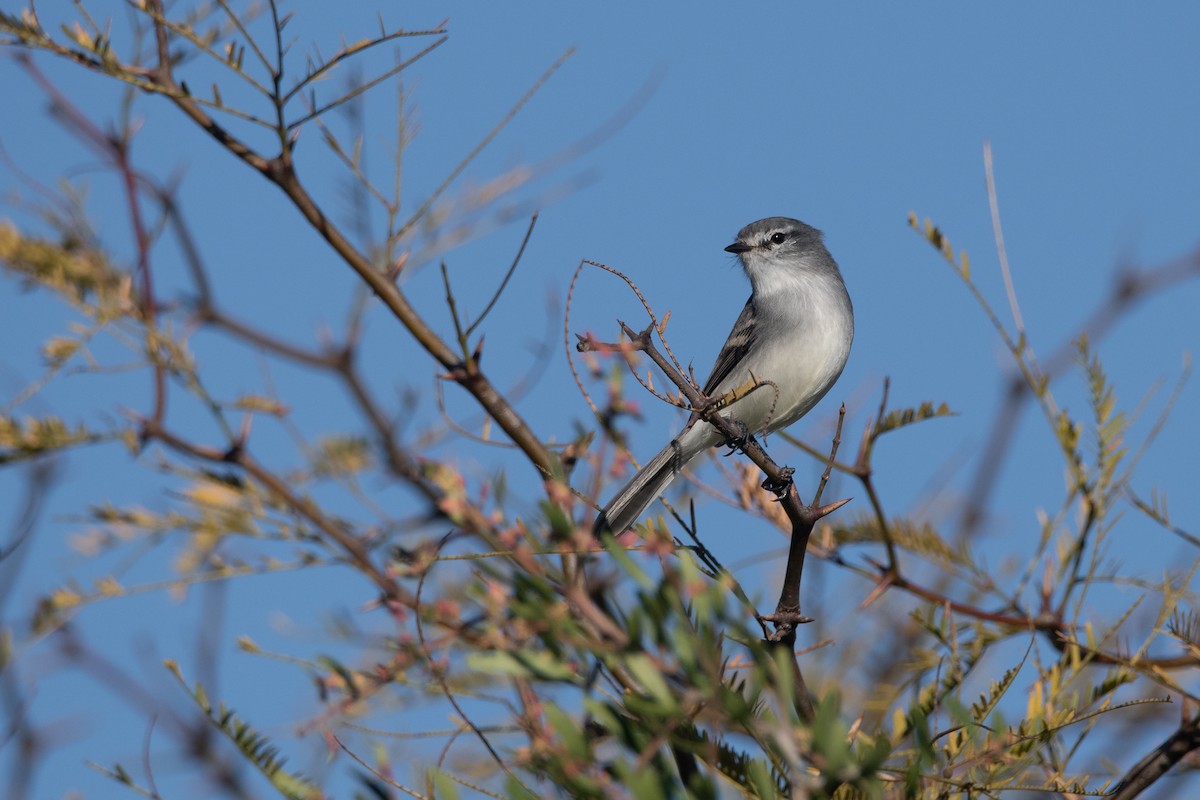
{"type": "Point", "coordinates": [702, 407]}
{"type": "Point", "coordinates": [340, 361]}
{"type": "Point", "coordinates": [1159, 761]}
{"type": "Point", "coordinates": [1049, 622]}
{"type": "Point", "coordinates": [787, 614]}
{"type": "Point", "coordinates": [803, 517]}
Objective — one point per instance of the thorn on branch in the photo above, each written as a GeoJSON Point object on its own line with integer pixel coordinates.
{"type": "Point", "coordinates": [397, 267]}
{"type": "Point", "coordinates": [458, 373]}
{"type": "Point", "coordinates": [886, 579]}
{"type": "Point", "coordinates": [590, 344]}
{"type": "Point", "coordinates": [829, 508]}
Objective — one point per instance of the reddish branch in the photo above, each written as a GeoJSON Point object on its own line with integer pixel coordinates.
{"type": "Point", "coordinates": [802, 518]}
{"type": "Point", "coordinates": [116, 150]}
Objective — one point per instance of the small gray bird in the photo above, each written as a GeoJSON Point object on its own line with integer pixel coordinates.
{"type": "Point", "coordinates": [794, 336]}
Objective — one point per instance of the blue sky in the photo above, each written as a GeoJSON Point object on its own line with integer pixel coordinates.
{"type": "Point", "coordinates": [848, 118]}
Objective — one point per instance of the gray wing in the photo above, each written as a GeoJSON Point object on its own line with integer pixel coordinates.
{"type": "Point", "coordinates": [741, 339]}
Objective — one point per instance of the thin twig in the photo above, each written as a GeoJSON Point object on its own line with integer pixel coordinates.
{"type": "Point", "coordinates": [1126, 291]}
{"type": "Point", "coordinates": [356, 49]}
{"type": "Point", "coordinates": [1001, 251]}
{"type": "Point", "coordinates": [281, 171]}
{"type": "Point", "coordinates": [115, 149]}
{"type": "Point", "coordinates": [375, 772]}
{"type": "Point", "coordinates": [567, 341]}
{"type": "Point", "coordinates": [864, 471]}
{"type": "Point", "coordinates": [317, 111]}
{"type": "Point", "coordinates": [423, 209]}
{"type": "Point", "coordinates": [511, 269]}
{"type": "Point", "coordinates": [438, 674]}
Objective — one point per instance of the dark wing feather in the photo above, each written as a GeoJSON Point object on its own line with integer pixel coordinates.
{"type": "Point", "coordinates": [740, 340]}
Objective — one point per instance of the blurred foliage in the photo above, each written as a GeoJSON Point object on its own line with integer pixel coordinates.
{"type": "Point", "coordinates": [569, 666]}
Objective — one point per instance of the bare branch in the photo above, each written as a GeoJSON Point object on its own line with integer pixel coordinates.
{"type": "Point", "coordinates": [511, 269]}
{"type": "Point", "coordinates": [427, 204]}
{"type": "Point", "coordinates": [1159, 761]}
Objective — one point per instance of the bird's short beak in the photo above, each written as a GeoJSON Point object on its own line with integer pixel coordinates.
{"type": "Point", "coordinates": [738, 247]}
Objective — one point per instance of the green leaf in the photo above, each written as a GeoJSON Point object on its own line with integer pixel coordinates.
{"type": "Point", "coordinates": [983, 707]}
{"type": "Point", "coordinates": [904, 417]}
{"type": "Point", "coordinates": [760, 779]}
{"type": "Point", "coordinates": [569, 731]}
{"type": "Point", "coordinates": [650, 676]}
{"type": "Point", "coordinates": [643, 784]}
{"type": "Point", "coordinates": [445, 788]}
{"type": "Point", "coordinates": [539, 664]}
{"type": "Point", "coordinates": [256, 748]}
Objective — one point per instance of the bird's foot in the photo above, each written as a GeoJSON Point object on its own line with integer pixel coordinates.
{"type": "Point", "coordinates": [743, 437]}
{"type": "Point", "coordinates": [779, 486]}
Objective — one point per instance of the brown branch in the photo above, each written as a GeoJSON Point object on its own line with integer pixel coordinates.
{"type": "Point", "coordinates": [702, 407]}
{"type": "Point", "coordinates": [803, 518]}
{"type": "Point", "coordinates": [210, 314]}
{"type": "Point", "coordinates": [341, 362]}
{"type": "Point", "coordinates": [511, 269]}
{"type": "Point", "coordinates": [120, 154]}
{"type": "Point", "coordinates": [466, 515]}
{"type": "Point", "coordinates": [1159, 761]}
{"type": "Point", "coordinates": [280, 170]}
{"type": "Point", "coordinates": [115, 149]}
{"type": "Point", "coordinates": [352, 545]}
{"type": "Point", "coordinates": [863, 471]}
{"type": "Point", "coordinates": [787, 614]}
{"type": "Point", "coordinates": [1050, 624]}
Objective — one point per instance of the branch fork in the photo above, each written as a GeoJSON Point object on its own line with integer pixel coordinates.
{"type": "Point", "coordinates": [787, 616]}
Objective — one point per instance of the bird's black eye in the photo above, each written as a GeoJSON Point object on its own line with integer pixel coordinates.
{"type": "Point", "coordinates": [778, 238]}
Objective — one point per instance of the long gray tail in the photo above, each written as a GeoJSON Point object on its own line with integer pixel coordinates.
{"type": "Point", "coordinates": [650, 481]}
